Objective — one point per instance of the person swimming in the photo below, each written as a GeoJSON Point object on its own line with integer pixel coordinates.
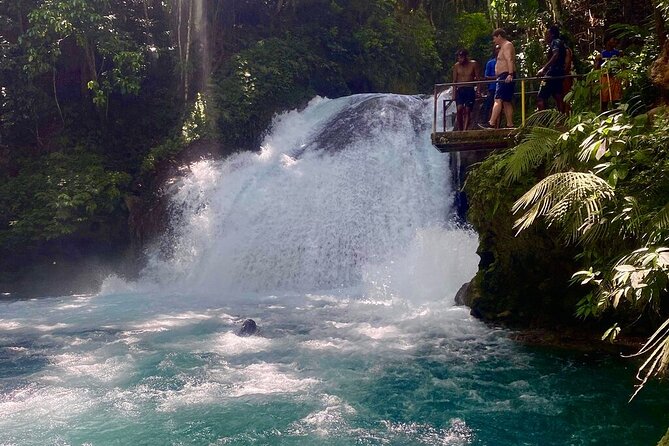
{"type": "Point", "coordinates": [249, 328]}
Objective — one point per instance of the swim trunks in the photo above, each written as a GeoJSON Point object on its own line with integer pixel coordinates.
{"type": "Point", "coordinates": [504, 90]}
{"type": "Point", "coordinates": [551, 87]}
{"type": "Point", "coordinates": [465, 96]}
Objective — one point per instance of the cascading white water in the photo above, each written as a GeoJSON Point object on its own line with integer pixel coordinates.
{"type": "Point", "coordinates": [340, 195]}
{"type": "Point", "coordinates": [335, 239]}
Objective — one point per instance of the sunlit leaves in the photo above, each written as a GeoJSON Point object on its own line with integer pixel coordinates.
{"type": "Point", "coordinates": [571, 199]}
{"type": "Point", "coordinates": [617, 201]}
{"type": "Point", "coordinates": [115, 62]}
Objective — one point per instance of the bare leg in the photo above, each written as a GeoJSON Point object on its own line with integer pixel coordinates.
{"type": "Point", "coordinates": [559, 103]}
{"type": "Point", "coordinates": [467, 118]}
{"type": "Point", "coordinates": [496, 113]}
{"type": "Point", "coordinates": [508, 113]}
{"type": "Point", "coordinates": [459, 118]}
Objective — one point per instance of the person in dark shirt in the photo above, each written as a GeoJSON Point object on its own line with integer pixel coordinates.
{"type": "Point", "coordinates": [612, 89]}
{"type": "Point", "coordinates": [568, 82]}
{"type": "Point", "coordinates": [554, 68]}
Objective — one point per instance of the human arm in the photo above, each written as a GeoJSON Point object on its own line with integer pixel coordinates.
{"type": "Point", "coordinates": [598, 61]}
{"type": "Point", "coordinates": [555, 54]}
{"type": "Point", "coordinates": [510, 57]}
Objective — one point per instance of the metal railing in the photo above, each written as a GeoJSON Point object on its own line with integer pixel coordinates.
{"type": "Point", "coordinates": [524, 93]}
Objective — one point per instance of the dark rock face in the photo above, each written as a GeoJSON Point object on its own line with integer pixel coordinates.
{"type": "Point", "coordinates": [148, 209]}
{"type": "Point", "coordinates": [249, 328]}
{"type": "Point", "coordinates": [459, 164]}
{"type": "Point", "coordinates": [523, 279]}
{"type": "Point", "coordinates": [344, 129]}
{"type": "Point", "coordinates": [78, 263]}
{"type": "Point", "coordinates": [462, 295]}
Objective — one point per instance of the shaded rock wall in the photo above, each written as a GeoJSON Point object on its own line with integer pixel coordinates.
{"type": "Point", "coordinates": [522, 279]}
{"type": "Point", "coordinates": [459, 164]}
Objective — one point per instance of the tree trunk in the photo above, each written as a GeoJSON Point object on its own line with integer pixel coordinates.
{"type": "Point", "coordinates": [189, 26]}
{"type": "Point", "coordinates": [555, 10]}
{"type": "Point", "coordinates": [659, 71]}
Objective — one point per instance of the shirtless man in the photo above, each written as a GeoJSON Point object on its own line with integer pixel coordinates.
{"type": "Point", "coordinates": [465, 70]}
{"type": "Point", "coordinates": [505, 70]}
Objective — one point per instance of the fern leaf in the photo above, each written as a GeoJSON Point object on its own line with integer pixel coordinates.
{"type": "Point", "coordinates": [572, 199]}
{"type": "Point", "coordinates": [537, 145]}
{"type": "Point", "coordinates": [546, 118]}
{"type": "Point", "coordinates": [661, 220]}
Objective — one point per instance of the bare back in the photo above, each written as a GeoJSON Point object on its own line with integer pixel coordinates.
{"type": "Point", "coordinates": [506, 59]}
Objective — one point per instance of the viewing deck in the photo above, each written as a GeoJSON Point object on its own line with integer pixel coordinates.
{"type": "Point", "coordinates": [470, 140]}
{"type": "Point", "coordinates": [447, 140]}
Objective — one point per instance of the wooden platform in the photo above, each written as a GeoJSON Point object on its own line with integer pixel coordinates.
{"type": "Point", "coordinates": [469, 140]}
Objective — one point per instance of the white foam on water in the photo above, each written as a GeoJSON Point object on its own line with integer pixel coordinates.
{"type": "Point", "coordinates": [229, 344]}
{"type": "Point", "coordinates": [336, 237]}
{"type": "Point", "coordinates": [330, 421]}
{"type": "Point", "coordinates": [267, 379]}
{"type": "Point", "coordinates": [79, 368]}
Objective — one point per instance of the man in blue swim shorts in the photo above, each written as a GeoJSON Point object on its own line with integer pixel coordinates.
{"type": "Point", "coordinates": [505, 70]}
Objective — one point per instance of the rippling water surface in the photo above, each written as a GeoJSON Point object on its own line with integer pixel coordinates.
{"type": "Point", "coordinates": [327, 369]}
{"type": "Point", "coordinates": [337, 238]}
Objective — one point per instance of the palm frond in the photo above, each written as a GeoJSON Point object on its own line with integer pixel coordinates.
{"type": "Point", "coordinates": [660, 221]}
{"type": "Point", "coordinates": [657, 349]}
{"type": "Point", "coordinates": [546, 118]}
{"type": "Point", "coordinates": [531, 152]}
{"type": "Point", "coordinates": [573, 200]}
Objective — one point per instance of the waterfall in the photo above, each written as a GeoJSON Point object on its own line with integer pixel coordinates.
{"type": "Point", "coordinates": [336, 239]}
{"type": "Point", "coordinates": [340, 194]}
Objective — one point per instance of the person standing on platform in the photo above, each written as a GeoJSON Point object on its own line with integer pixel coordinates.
{"type": "Point", "coordinates": [465, 70]}
{"type": "Point", "coordinates": [505, 70]}
{"type": "Point", "coordinates": [568, 82]}
{"type": "Point", "coordinates": [554, 68]}
{"type": "Point", "coordinates": [612, 88]}
{"type": "Point", "coordinates": [489, 74]}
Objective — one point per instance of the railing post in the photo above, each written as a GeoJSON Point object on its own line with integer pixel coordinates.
{"type": "Point", "coordinates": [434, 121]}
{"type": "Point", "coordinates": [443, 115]}
{"type": "Point", "coordinates": [522, 101]}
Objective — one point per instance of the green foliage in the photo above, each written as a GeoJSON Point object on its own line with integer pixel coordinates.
{"type": "Point", "coordinates": [56, 195]}
{"type": "Point", "coordinates": [95, 29]}
{"type": "Point", "coordinates": [258, 82]}
{"type": "Point", "coordinates": [196, 126]}
{"type": "Point", "coordinates": [391, 48]}
{"type": "Point", "coordinates": [168, 149]}
{"type": "Point", "coordinates": [611, 199]}
{"type": "Point", "coordinates": [513, 13]}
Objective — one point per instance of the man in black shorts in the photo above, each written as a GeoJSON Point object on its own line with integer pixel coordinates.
{"type": "Point", "coordinates": [554, 68]}
{"type": "Point", "coordinates": [465, 70]}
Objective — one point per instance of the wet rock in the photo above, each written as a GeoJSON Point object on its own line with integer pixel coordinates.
{"type": "Point", "coordinates": [461, 295]}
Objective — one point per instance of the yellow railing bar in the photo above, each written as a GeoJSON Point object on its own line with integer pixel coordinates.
{"type": "Point", "coordinates": [522, 101]}
{"type": "Point", "coordinates": [438, 88]}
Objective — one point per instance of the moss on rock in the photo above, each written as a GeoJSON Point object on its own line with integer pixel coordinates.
{"type": "Point", "coordinates": [522, 279]}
